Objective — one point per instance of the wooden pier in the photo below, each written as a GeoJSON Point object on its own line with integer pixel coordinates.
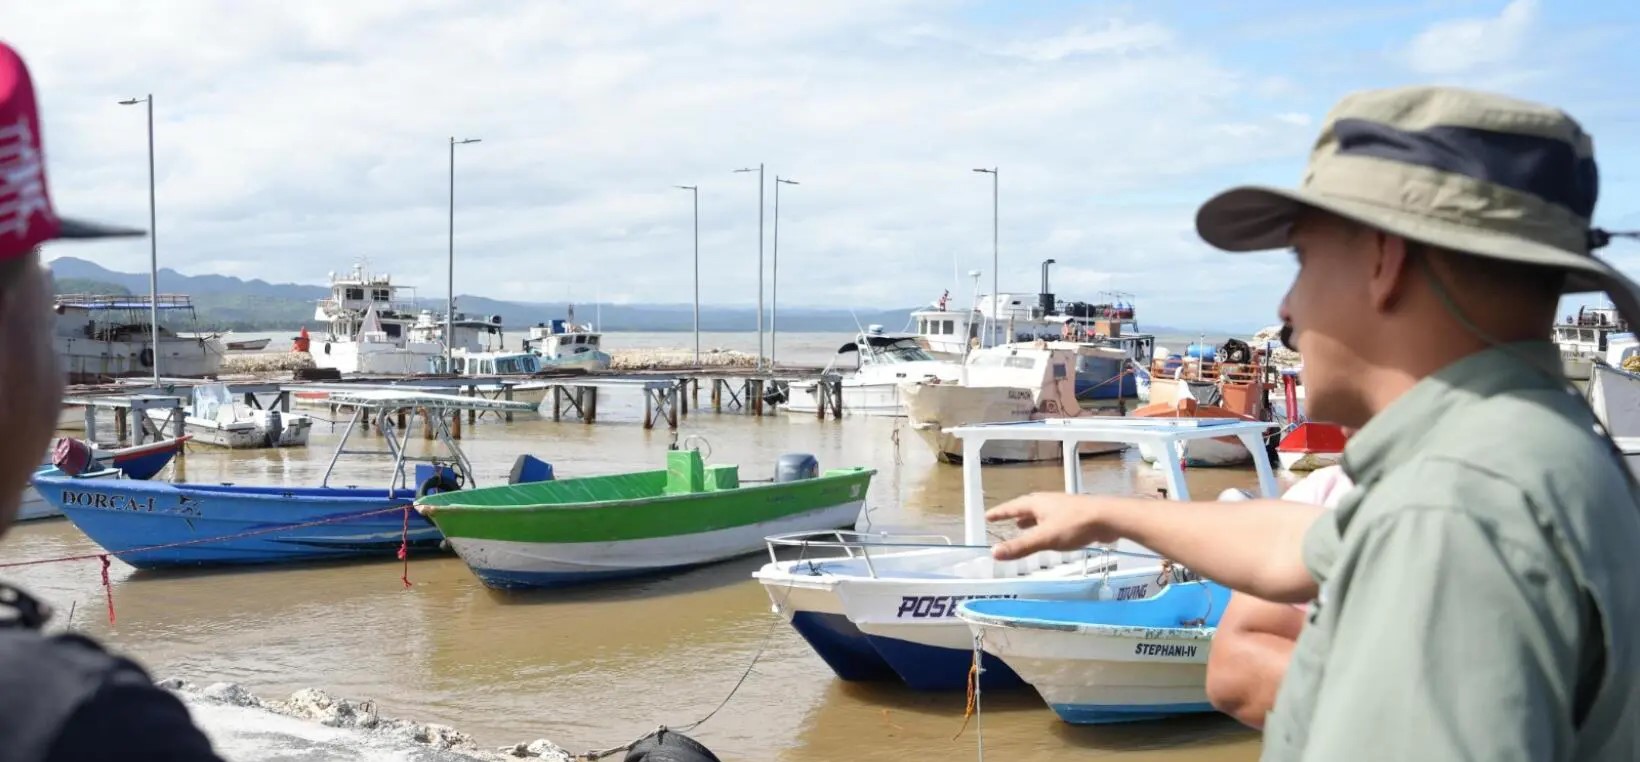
{"type": "Point", "coordinates": [145, 429]}
{"type": "Point", "coordinates": [668, 395]}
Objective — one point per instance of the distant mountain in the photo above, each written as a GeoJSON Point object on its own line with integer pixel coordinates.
{"type": "Point", "coordinates": [246, 305]}
{"type": "Point", "coordinates": [226, 302]}
{"type": "Point", "coordinates": [89, 286]}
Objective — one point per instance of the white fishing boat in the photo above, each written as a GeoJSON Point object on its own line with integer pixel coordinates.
{"type": "Point", "coordinates": [1013, 382]}
{"type": "Point", "coordinates": [98, 337]}
{"type": "Point", "coordinates": [374, 330]}
{"type": "Point", "coordinates": [369, 327]}
{"type": "Point", "coordinates": [873, 386]}
{"type": "Point", "coordinates": [947, 332]}
{"type": "Point", "coordinates": [879, 606]}
{"type": "Point", "coordinates": [1594, 333]}
{"type": "Point", "coordinates": [214, 418]}
{"type": "Point", "coordinates": [1097, 662]}
{"type": "Point", "coordinates": [564, 344]}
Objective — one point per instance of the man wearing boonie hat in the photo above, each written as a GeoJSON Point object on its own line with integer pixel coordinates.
{"type": "Point", "coordinates": [61, 697]}
{"type": "Point", "coordinates": [1477, 594]}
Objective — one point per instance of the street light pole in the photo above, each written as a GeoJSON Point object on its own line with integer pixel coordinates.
{"type": "Point", "coordinates": [695, 191]}
{"type": "Point", "coordinates": [995, 305]}
{"type": "Point", "coordinates": [450, 283]}
{"type": "Point", "coordinates": [759, 261]}
{"type": "Point", "coordinates": [153, 239]}
{"type": "Point", "coordinates": [774, 277]}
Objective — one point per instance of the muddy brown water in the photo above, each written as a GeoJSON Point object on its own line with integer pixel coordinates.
{"type": "Point", "coordinates": [594, 667]}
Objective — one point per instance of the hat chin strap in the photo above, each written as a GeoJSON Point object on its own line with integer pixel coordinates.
{"type": "Point", "coordinates": [1557, 375]}
{"type": "Point", "coordinates": [1599, 237]}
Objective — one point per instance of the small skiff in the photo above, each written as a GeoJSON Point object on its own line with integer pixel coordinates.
{"type": "Point", "coordinates": [1107, 661]}
{"type": "Point", "coordinates": [573, 531]}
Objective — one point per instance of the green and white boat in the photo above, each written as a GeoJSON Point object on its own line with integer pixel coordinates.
{"type": "Point", "coordinates": [572, 531]}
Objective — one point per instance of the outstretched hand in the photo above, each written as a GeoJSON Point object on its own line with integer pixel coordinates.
{"type": "Point", "coordinates": [1053, 521]}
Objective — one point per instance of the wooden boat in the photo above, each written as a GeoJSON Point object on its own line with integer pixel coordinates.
{"type": "Point", "coordinates": [159, 524]}
{"type": "Point", "coordinates": [249, 345]}
{"type": "Point", "coordinates": [1107, 661]}
{"type": "Point", "coordinates": [1014, 382]}
{"type": "Point", "coordinates": [1218, 451]}
{"type": "Point", "coordinates": [573, 531]}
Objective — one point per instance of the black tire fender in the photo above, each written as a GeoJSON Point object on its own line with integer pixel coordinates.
{"type": "Point", "coordinates": [670, 746]}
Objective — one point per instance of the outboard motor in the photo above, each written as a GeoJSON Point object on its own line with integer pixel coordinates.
{"type": "Point", "coordinates": [71, 456]}
{"type": "Point", "coordinates": [796, 466]}
{"type": "Point", "coordinates": [276, 428]}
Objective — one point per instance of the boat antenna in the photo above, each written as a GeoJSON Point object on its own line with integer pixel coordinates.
{"type": "Point", "coordinates": [862, 331]}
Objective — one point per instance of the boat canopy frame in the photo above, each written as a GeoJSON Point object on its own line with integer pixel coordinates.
{"type": "Point", "coordinates": [433, 409]}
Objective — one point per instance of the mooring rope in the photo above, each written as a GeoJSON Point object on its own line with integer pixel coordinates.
{"type": "Point", "coordinates": [768, 636]}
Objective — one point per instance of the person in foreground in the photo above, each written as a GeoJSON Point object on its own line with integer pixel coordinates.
{"type": "Point", "coordinates": [1477, 595]}
{"type": "Point", "coordinates": [61, 697]}
{"type": "Point", "coordinates": [1255, 637]}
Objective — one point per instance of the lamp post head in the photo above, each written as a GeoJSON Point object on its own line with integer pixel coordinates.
{"type": "Point", "coordinates": [986, 171]}
{"type": "Point", "coordinates": [131, 101]}
{"type": "Point", "coordinates": [455, 142]}
{"type": "Point", "coordinates": [788, 182]}
{"type": "Point", "coordinates": [685, 187]}
{"type": "Point", "coordinates": [747, 169]}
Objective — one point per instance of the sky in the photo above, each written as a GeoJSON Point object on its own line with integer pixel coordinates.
{"type": "Point", "coordinates": [297, 138]}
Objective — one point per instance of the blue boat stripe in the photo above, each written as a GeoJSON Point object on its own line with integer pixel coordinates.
{"type": "Point", "coordinates": [1548, 168]}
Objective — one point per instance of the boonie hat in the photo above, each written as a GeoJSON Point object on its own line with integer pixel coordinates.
{"type": "Point", "coordinates": [1472, 172]}
{"type": "Point", "coordinates": [26, 216]}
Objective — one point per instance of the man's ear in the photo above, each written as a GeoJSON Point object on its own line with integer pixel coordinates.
{"type": "Point", "coordinates": [1390, 260]}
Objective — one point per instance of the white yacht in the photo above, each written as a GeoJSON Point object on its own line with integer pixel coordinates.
{"type": "Point", "coordinates": [873, 386]}
{"type": "Point", "coordinates": [1594, 332]}
{"type": "Point", "coordinates": [100, 336]}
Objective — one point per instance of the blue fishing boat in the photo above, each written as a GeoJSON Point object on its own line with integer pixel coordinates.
{"type": "Point", "coordinates": [1107, 661]}
{"type": "Point", "coordinates": [157, 524]}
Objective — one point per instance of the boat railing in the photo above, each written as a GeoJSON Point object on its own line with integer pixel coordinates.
{"type": "Point", "coordinates": [860, 545]}
{"type": "Point", "coordinates": [853, 544]}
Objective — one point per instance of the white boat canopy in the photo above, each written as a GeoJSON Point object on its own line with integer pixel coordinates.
{"type": "Point", "coordinates": [1166, 435]}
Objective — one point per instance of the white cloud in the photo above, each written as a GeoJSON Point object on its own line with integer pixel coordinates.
{"type": "Point", "coordinates": [1464, 45]}
{"type": "Point", "coordinates": [292, 139]}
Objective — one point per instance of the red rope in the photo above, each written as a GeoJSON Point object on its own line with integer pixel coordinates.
{"type": "Point", "coordinates": [404, 547]}
{"type": "Point", "coordinates": [108, 588]}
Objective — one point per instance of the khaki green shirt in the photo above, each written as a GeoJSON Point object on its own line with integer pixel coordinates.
{"type": "Point", "coordinates": [1479, 589]}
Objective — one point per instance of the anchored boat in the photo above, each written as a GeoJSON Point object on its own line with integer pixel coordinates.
{"type": "Point", "coordinates": [1098, 662]}
{"type": "Point", "coordinates": [213, 418]}
{"type": "Point", "coordinates": [1012, 382]}
{"type": "Point", "coordinates": [155, 524]}
{"type": "Point", "coordinates": [884, 606]}
{"type": "Point", "coordinates": [587, 529]}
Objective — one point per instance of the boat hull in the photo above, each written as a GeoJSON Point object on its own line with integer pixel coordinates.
{"type": "Point", "coordinates": [934, 408]}
{"type": "Point", "coordinates": [505, 564]}
{"type": "Point", "coordinates": [902, 625]}
{"type": "Point", "coordinates": [144, 461]}
{"type": "Point", "coordinates": [883, 400]}
{"type": "Point", "coordinates": [1308, 461]}
{"type": "Point", "coordinates": [598, 528]}
{"type": "Point", "coordinates": [1107, 670]}
{"type": "Point", "coordinates": [147, 523]}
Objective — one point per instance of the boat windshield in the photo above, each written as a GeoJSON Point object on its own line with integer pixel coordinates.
{"type": "Point", "coordinates": [901, 351]}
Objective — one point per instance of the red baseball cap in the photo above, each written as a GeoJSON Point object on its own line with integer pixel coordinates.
{"type": "Point", "coordinates": [26, 216]}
